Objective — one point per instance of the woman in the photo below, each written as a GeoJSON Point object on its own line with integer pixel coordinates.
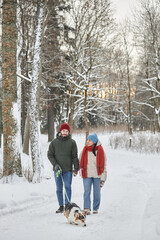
{"type": "Point", "coordinates": [93, 172]}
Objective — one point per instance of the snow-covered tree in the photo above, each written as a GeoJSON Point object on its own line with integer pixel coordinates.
{"type": "Point", "coordinates": [53, 98]}
{"type": "Point", "coordinates": [27, 11]}
{"type": "Point", "coordinates": [126, 103]}
{"type": "Point", "coordinates": [90, 21]}
{"type": "Point", "coordinates": [35, 96]}
{"type": "Point", "coordinates": [147, 35]}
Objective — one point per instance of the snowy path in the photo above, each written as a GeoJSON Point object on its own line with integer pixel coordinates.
{"type": "Point", "coordinates": [130, 205]}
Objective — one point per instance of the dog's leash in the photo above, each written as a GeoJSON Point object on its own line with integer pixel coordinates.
{"type": "Point", "coordinates": [59, 172]}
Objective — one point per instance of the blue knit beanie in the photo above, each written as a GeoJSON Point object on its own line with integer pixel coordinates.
{"type": "Point", "coordinates": [93, 137]}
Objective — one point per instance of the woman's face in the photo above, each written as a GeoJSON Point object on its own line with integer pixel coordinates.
{"type": "Point", "coordinates": [89, 143]}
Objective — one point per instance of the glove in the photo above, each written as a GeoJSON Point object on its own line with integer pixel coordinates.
{"type": "Point", "coordinates": [101, 184]}
{"type": "Point", "coordinates": [74, 173]}
{"type": "Point", "coordinates": [57, 167]}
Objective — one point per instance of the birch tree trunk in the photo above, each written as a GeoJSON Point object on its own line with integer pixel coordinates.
{"type": "Point", "coordinates": [11, 147]}
{"type": "Point", "coordinates": [34, 98]}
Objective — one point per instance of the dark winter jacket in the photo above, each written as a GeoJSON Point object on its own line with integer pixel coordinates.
{"type": "Point", "coordinates": [63, 151]}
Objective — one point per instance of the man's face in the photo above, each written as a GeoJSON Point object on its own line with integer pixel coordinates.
{"type": "Point", "coordinates": [64, 133]}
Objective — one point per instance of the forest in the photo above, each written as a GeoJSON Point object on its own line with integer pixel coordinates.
{"type": "Point", "coordinates": [71, 61]}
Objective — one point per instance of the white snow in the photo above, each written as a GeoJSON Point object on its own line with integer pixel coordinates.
{"type": "Point", "coordinates": [130, 203]}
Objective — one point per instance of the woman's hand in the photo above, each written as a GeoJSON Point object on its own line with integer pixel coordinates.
{"type": "Point", "coordinates": [101, 184]}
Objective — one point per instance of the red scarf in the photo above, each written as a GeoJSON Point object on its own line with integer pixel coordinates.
{"type": "Point", "coordinates": [99, 159]}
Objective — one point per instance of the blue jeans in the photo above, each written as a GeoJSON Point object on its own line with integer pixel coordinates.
{"type": "Point", "coordinates": [87, 183]}
{"type": "Point", "coordinates": [67, 180]}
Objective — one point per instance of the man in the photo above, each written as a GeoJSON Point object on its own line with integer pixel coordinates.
{"type": "Point", "coordinates": [62, 154]}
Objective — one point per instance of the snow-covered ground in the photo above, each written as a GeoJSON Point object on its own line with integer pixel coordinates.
{"type": "Point", "coordinates": [130, 203]}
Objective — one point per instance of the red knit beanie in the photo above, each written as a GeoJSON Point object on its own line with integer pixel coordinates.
{"type": "Point", "coordinates": [64, 126]}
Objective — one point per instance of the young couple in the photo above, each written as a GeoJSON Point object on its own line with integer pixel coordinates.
{"type": "Point", "coordinates": [62, 154]}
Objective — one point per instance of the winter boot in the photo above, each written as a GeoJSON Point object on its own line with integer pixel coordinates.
{"type": "Point", "coordinates": [60, 209]}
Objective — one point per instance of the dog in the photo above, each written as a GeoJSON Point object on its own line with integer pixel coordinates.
{"type": "Point", "coordinates": [74, 214]}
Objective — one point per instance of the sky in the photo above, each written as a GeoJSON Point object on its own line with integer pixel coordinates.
{"type": "Point", "coordinates": [124, 8]}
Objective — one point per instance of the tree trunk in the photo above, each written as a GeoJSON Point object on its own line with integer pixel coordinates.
{"type": "Point", "coordinates": [26, 136]}
{"type": "Point", "coordinates": [0, 82]}
{"type": "Point", "coordinates": [0, 123]}
{"type": "Point", "coordinates": [71, 114]}
{"type": "Point", "coordinates": [129, 106]}
{"type": "Point", "coordinates": [85, 115]}
{"type": "Point", "coordinates": [11, 148]}
{"type": "Point", "coordinates": [51, 121]}
{"type": "Point", "coordinates": [35, 98]}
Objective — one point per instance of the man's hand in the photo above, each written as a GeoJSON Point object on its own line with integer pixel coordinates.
{"type": "Point", "coordinates": [57, 167]}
